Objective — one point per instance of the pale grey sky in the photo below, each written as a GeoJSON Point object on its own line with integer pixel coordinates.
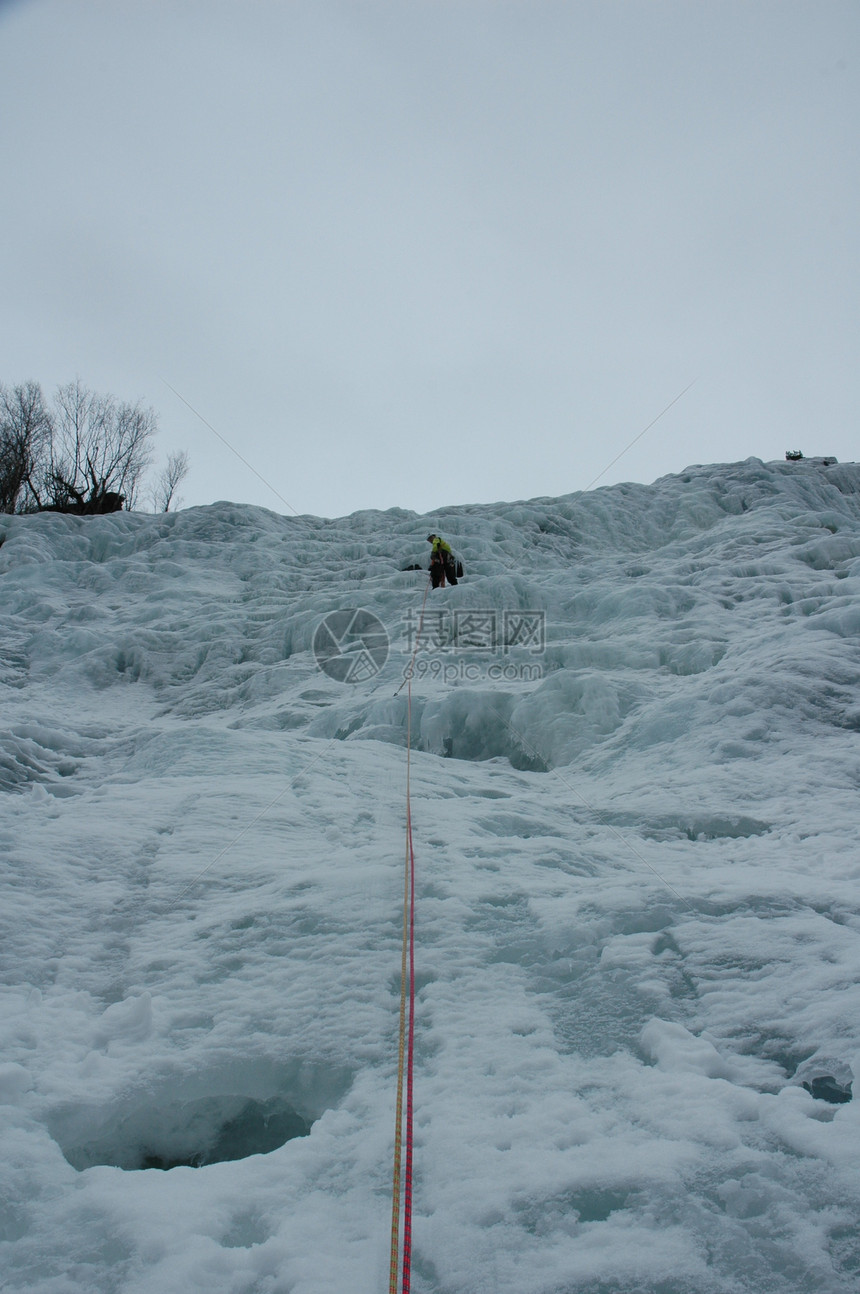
{"type": "Point", "coordinates": [426, 252]}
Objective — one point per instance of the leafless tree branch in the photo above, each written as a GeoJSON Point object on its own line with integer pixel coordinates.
{"type": "Point", "coordinates": [171, 477]}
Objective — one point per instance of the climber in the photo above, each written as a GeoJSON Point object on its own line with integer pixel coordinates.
{"type": "Point", "coordinates": [442, 563]}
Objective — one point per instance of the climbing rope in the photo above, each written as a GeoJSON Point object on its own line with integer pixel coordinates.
{"type": "Point", "coordinates": [401, 1194]}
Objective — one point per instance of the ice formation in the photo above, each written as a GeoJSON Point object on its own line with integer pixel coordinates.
{"type": "Point", "coordinates": [635, 806]}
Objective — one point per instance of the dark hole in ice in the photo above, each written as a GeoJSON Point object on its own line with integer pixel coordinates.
{"type": "Point", "coordinates": [259, 1127]}
{"type": "Point", "coordinates": [826, 1088]}
{"type": "Point", "coordinates": [189, 1134]}
{"type": "Point", "coordinates": [597, 1206]}
{"type": "Point", "coordinates": [248, 1106]}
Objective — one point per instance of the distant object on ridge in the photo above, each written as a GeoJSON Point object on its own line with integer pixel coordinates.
{"type": "Point", "coordinates": [795, 456]}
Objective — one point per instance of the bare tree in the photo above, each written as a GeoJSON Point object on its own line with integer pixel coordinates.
{"type": "Point", "coordinates": [163, 493]}
{"type": "Point", "coordinates": [87, 453]}
{"type": "Point", "coordinates": [25, 432]}
{"type": "Point", "coordinates": [100, 449]}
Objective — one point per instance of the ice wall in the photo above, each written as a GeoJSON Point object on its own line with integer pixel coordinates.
{"type": "Point", "coordinates": [639, 934]}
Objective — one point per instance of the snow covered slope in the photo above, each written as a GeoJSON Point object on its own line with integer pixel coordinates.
{"type": "Point", "coordinates": [635, 798]}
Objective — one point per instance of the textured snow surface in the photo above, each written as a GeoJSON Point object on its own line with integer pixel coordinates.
{"type": "Point", "coordinates": [638, 897]}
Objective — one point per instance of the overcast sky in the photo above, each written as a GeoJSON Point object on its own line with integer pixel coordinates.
{"type": "Point", "coordinates": [424, 252]}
